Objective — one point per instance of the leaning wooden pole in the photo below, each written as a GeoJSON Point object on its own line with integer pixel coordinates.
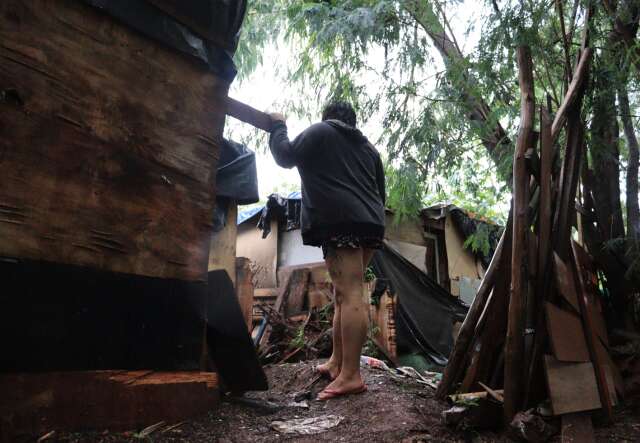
{"type": "Point", "coordinates": [467, 330]}
{"type": "Point", "coordinates": [514, 346]}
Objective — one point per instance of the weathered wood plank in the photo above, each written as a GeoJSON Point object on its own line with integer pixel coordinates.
{"type": "Point", "coordinates": [116, 400]}
{"type": "Point", "coordinates": [577, 428]}
{"type": "Point", "coordinates": [110, 156]}
{"type": "Point", "coordinates": [586, 312]}
{"type": "Point", "coordinates": [244, 289]}
{"type": "Point", "coordinates": [566, 335]}
{"type": "Point", "coordinates": [572, 386]}
{"type": "Point", "coordinates": [222, 249]}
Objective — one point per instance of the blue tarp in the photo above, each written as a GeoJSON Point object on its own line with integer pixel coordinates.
{"type": "Point", "coordinates": [248, 213]}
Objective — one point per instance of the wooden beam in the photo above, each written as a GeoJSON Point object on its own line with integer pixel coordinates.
{"type": "Point", "coordinates": [514, 346]}
{"type": "Point", "coordinates": [545, 214]}
{"type": "Point", "coordinates": [572, 93]}
{"type": "Point", "coordinates": [247, 114]}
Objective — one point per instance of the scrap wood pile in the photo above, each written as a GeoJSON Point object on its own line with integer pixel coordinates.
{"type": "Point", "coordinates": [297, 325]}
{"type": "Point", "coordinates": [536, 331]}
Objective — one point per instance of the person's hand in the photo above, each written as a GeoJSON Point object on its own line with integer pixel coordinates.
{"type": "Point", "coordinates": [277, 117]}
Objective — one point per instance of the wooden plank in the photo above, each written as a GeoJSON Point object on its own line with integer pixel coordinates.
{"type": "Point", "coordinates": [514, 346]}
{"type": "Point", "coordinates": [592, 337]}
{"type": "Point", "coordinates": [110, 158]}
{"type": "Point", "coordinates": [572, 386]}
{"type": "Point", "coordinates": [493, 393]}
{"type": "Point", "coordinates": [298, 289]}
{"type": "Point", "coordinates": [383, 321]}
{"type": "Point", "coordinates": [614, 377]}
{"type": "Point", "coordinates": [590, 279]}
{"type": "Point", "coordinates": [565, 282]}
{"type": "Point", "coordinates": [473, 395]}
{"type": "Point", "coordinates": [566, 335]}
{"type": "Point", "coordinates": [222, 249]}
{"type": "Point", "coordinates": [247, 114]}
{"type": "Point", "coordinates": [244, 289]}
{"type": "Point", "coordinates": [114, 400]}
{"type": "Point", "coordinates": [266, 293]}
{"type": "Point", "coordinates": [577, 428]}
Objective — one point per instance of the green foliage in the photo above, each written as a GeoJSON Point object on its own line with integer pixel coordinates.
{"type": "Point", "coordinates": [479, 240]}
{"type": "Point", "coordinates": [369, 275]}
{"type": "Point", "coordinates": [379, 56]}
{"type": "Point", "coordinates": [299, 339]}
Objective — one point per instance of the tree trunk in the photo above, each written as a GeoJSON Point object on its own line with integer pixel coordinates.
{"type": "Point", "coordinates": [605, 156]}
{"type": "Point", "coordinates": [489, 130]}
{"type": "Point", "coordinates": [633, 210]}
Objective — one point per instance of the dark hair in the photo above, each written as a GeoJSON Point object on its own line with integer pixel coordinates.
{"type": "Point", "coordinates": [342, 111]}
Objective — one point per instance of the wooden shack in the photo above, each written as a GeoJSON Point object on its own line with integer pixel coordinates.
{"type": "Point", "coordinates": [111, 120]}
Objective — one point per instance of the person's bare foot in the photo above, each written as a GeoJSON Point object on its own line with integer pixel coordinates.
{"type": "Point", "coordinates": [343, 386]}
{"type": "Point", "coordinates": [329, 370]}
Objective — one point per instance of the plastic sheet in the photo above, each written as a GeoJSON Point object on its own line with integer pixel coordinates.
{"type": "Point", "coordinates": [153, 22]}
{"type": "Point", "coordinates": [237, 179]}
{"type": "Point", "coordinates": [426, 312]}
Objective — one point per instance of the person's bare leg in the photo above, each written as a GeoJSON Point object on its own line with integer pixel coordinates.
{"type": "Point", "coordinates": [346, 269]}
{"type": "Point", "coordinates": [332, 366]}
{"type": "Point", "coordinates": [367, 255]}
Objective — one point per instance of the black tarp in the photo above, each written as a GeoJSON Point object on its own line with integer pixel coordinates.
{"type": "Point", "coordinates": [425, 312]}
{"type": "Point", "coordinates": [236, 179]}
{"type": "Point", "coordinates": [151, 21]}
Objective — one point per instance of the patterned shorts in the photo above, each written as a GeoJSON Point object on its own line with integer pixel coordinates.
{"type": "Point", "coordinates": [351, 241]}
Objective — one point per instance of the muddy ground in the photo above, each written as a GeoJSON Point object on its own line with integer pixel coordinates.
{"type": "Point", "coordinates": [390, 411]}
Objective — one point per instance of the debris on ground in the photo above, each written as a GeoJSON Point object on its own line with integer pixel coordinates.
{"type": "Point", "coordinates": [390, 411]}
{"type": "Point", "coordinates": [307, 426]}
{"type": "Point", "coordinates": [529, 427]}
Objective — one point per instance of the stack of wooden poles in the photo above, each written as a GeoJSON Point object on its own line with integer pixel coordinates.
{"type": "Point", "coordinates": [535, 328]}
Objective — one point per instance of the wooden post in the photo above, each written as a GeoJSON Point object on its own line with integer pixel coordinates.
{"type": "Point", "coordinates": [573, 93]}
{"type": "Point", "coordinates": [514, 347]}
{"type": "Point", "coordinates": [545, 217]}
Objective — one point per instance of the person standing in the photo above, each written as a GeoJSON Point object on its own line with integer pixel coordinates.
{"type": "Point", "coordinates": [343, 202]}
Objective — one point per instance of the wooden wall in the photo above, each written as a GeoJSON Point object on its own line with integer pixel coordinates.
{"type": "Point", "coordinates": [108, 144]}
{"type": "Point", "coordinates": [263, 252]}
{"type": "Point", "coordinates": [461, 261]}
{"type": "Point", "coordinates": [222, 250]}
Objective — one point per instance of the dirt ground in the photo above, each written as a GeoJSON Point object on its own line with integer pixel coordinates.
{"type": "Point", "coordinates": [390, 411]}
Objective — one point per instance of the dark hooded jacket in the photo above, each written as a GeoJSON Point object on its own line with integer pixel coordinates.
{"type": "Point", "coordinates": [343, 189]}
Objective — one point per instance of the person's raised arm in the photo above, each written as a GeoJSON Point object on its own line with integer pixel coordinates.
{"type": "Point", "coordinates": [287, 153]}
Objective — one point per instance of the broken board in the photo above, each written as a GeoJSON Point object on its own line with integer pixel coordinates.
{"type": "Point", "coordinates": [566, 335]}
{"type": "Point", "coordinates": [565, 282]}
{"type": "Point", "coordinates": [572, 386]}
